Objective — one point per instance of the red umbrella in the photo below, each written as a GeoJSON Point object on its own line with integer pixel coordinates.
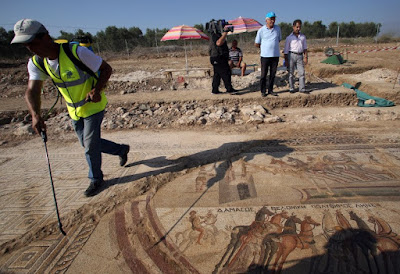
{"type": "Point", "coordinates": [241, 24]}
{"type": "Point", "coordinates": [184, 33]}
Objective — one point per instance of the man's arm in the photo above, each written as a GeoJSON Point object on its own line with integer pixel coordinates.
{"type": "Point", "coordinates": [286, 51]}
{"type": "Point", "coordinates": [222, 39]}
{"type": "Point", "coordinates": [240, 61]}
{"type": "Point", "coordinates": [32, 98]}
{"type": "Point", "coordinates": [305, 54]}
{"type": "Point", "coordinates": [257, 40]}
{"type": "Point", "coordinates": [105, 74]}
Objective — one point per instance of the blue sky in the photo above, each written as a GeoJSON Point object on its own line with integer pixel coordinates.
{"type": "Point", "coordinates": [94, 16]}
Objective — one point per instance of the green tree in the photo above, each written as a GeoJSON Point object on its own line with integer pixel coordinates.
{"type": "Point", "coordinates": [318, 29]}
{"type": "Point", "coordinates": [200, 27]}
{"type": "Point", "coordinates": [110, 39]}
{"type": "Point", "coordinates": [70, 36]}
{"type": "Point", "coordinates": [314, 30]}
{"type": "Point", "coordinates": [66, 35]}
{"type": "Point", "coordinates": [153, 36]}
{"type": "Point", "coordinates": [351, 30]}
{"type": "Point", "coordinates": [11, 51]}
{"type": "Point", "coordinates": [332, 29]}
{"type": "Point", "coordinates": [286, 29]}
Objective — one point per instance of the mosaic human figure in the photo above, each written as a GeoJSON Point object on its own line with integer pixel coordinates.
{"type": "Point", "coordinates": [238, 234]}
{"type": "Point", "coordinates": [201, 180]}
{"type": "Point", "coordinates": [196, 222]}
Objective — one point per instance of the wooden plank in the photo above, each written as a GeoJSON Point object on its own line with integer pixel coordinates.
{"type": "Point", "coordinates": [168, 72]}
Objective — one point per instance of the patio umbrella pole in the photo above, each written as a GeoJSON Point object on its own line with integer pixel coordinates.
{"type": "Point", "coordinates": [184, 43]}
{"type": "Point", "coordinates": [183, 33]}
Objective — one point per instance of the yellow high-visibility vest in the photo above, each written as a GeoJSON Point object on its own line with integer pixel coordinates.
{"type": "Point", "coordinates": [74, 84]}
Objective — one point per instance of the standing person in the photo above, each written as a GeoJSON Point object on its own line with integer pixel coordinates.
{"type": "Point", "coordinates": [268, 38]}
{"type": "Point", "coordinates": [83, 93]}
{"type": "Point", "coordinates": [196, 224]}
{"type": "Point", "coordinates": [236, 57]}
{"type": "Point", "coordinates": [219, 56]}
{"type": "Point", "coordinates": [296, 56]}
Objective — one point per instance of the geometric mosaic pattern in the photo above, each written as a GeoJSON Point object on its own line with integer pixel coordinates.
{"type": "Point", "coordinates": [26, 197]}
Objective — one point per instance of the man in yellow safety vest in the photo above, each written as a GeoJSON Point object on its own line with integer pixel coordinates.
{"type": "Point", "coordinates": [82, 91]}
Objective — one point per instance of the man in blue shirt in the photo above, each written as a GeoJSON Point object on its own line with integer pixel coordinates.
{"type": "Point", "coordinates": [268, 38]}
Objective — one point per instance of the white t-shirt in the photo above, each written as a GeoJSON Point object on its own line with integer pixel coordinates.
{"type": "Point", "coordinates": [87, 57]}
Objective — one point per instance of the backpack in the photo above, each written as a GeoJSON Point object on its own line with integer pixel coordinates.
{"type": "Point", "coordinates": [84, 41]}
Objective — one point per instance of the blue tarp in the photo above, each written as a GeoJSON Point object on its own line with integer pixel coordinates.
{"type": "Point", "coordinates": [366, 100]}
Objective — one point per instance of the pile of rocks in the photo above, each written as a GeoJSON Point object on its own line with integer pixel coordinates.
{"type": "Point", "coordinates": [159, 115]}
{"type": "Point", "coordinates": [176, 114]}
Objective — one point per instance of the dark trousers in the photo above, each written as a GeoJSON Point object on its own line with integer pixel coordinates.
{"type": "Point", "coordinates": [221, 70]}
{"type": "Point", "coordinates": [271, 64]}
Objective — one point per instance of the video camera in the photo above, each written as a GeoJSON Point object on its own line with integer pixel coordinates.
{"type": "Point", "coordinates": [218, 26]}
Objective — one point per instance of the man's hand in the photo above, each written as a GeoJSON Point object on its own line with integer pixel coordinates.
{"type": "Point", "coordinates": [287, 62]}
{"type": "Point", "coordinates": [38, 124]}
{"type": "Point", "coordinates": [93, 96]}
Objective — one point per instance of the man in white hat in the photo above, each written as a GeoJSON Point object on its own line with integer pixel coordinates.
{"type": "Point", "coordinates": [268, 38]}
{"type": "Point", "coordinates": [82, 91]}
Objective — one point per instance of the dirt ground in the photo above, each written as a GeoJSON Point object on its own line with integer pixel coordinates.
{"type": "Point", "coordinates": [137, 80]}
{"type": "Point", "coordinates": [142, 79]}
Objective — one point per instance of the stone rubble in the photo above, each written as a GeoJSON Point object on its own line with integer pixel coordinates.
{"type": "Point", "coordinates": [183, 114]}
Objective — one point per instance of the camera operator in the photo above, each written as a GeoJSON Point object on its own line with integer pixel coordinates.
{"type": "Point", "coordinates": [219, 56]}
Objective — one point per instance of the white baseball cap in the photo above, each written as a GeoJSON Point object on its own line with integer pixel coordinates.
{"type": "Point", "coordinates": [26, 29]}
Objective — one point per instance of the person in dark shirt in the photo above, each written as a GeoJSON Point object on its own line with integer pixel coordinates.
{"type": "Point", "coordinates": [219, 57]}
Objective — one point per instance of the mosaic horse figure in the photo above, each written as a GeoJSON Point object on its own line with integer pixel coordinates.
{"type": "Point", "coordinates": [239, 233]}
{"type": "Point", "coordinates": [388, 243]}
{"type": "Point", "coordinates": [340, 246]}
{"type": "Point", "coordinates": [288, 243]}
{"type": "Point", "coordinates": [260, 238]}
{"type": "Point", "coordinates": [347, 247]}
{"type": "Point", "coordinates": [270, 241]}
{"type": "Point", "coordinates": [365, 239]}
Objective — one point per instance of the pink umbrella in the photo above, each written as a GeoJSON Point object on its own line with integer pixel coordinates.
{"type": "Point", "coordinates": [241, 24]}
{"type": "Point", "coordinates": [184, 33]}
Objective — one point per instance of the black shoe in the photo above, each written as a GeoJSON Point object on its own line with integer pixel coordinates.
{"type": "Point", "coordinates": [292, 91]}
{"type": "Point", "coordinates": [273, 93]}
{"type": "Point", "coordinates": [94, 188]}
{"type": "Point", "coordinates": [216, 92]}
{"type": "Point", "coordinates": [124, 157]}
{"type": "Point", "coordinates": [305, 91]}
{"type": "Point", "coordinates": [263, 94]}
{"type": "Point", "coordinates": [232, 91]}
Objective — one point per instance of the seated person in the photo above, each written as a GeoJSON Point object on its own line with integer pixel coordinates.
{"type": "Point", "coordinates": [236, 57]}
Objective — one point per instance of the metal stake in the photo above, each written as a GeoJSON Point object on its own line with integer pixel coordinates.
{"type": "Point", "coordinates": [44, 137]}
{"type": "Point", "coordinates": [397, 77]}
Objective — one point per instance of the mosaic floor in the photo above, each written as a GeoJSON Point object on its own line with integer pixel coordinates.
{"type": "Point", "coordinates": [311, 203]}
